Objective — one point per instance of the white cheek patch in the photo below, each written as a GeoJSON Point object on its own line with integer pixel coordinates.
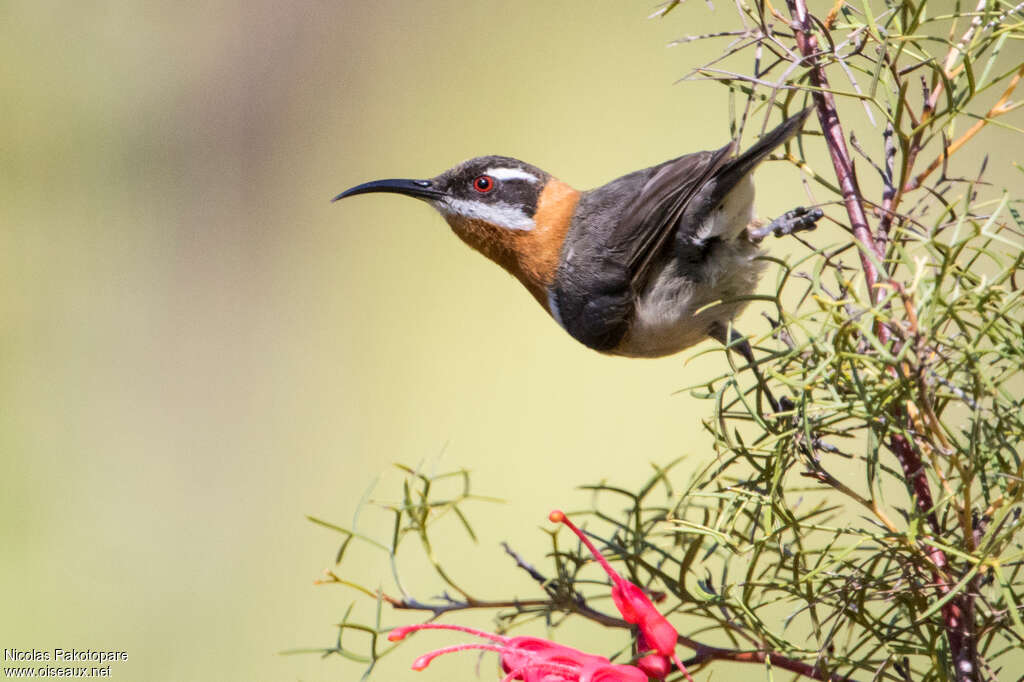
{"type": "Point", "coordinates": [511, 174]}
{"type": "Point", "coordinates": [499, 213]}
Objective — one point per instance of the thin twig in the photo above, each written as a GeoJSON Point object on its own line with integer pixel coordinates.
{"type": "Point", "coordinates": [998, 109]}
{"type": "Point", "coordinates": [831, 127]}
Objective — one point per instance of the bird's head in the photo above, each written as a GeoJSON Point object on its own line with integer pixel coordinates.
{"type": "Point", "coordinates": [514, 213]}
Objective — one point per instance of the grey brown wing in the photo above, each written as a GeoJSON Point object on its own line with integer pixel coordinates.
{"type": "Point", "coordinates": [601, 271]}
{"type": "Point", "coordinates": [595, 287]}
{"type": "Point", "coordinates": [692, 185]}
{"type": "Point", "coordinates": [652, 218]}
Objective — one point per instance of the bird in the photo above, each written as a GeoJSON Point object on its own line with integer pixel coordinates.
{"type": "Point", "coordinates": [644, 266]}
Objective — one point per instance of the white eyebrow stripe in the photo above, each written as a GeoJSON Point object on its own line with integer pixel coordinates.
{"type": "Point", "coordinates": [501, 214]}
{"type": "Point", "coordinates": [512, 174]}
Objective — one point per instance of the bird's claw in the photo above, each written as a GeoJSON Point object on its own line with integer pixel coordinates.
{"type": "Point", "coordinates": [797, 220]}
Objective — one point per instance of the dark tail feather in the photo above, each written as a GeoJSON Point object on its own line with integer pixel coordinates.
{"type": "Point", "coordinates": [736, 169]}
{"type": "Point", "coordinates": [745, 162]}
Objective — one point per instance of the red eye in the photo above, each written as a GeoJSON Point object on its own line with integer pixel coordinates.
{"type": "Point", "coordinates": [483, 184]}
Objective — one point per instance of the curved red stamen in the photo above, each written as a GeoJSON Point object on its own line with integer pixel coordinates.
{"type": "Point", "coordinates": [400, 633]}
{"type": "Point", "coordinates": [558, 516]}
{"type": "Point", "coordinates": [630, 600]}
{"type": "Point", "coordinates": [425, 660]}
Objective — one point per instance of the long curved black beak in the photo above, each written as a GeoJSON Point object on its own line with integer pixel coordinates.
{"type": "Point", "coordinates": [421, 189]}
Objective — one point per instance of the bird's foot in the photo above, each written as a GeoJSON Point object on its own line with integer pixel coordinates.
{"type": "Point", "coordinates": [797, 220]}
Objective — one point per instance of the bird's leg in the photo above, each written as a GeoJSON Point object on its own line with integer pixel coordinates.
{"type": "Point", "coordinates": [739, 343]}
{"type": "Point", "coordinates": [797, 220]}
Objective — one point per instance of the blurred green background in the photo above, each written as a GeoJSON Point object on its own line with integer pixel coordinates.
{"type": "Point", "coordinates": [198, 348]}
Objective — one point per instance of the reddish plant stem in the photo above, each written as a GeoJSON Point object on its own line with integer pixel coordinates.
{"type": "Point", "coordinates": [825, 105]}
{"type": "Point", "coordinates": [705, 654]}
{"type": "Point", "coordinates": [956, 613]}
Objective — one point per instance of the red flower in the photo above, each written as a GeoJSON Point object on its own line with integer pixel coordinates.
{"type": "Point", "coordinates": [530, 659]}
{"type": "Point", "coordinates": [655, 631]}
